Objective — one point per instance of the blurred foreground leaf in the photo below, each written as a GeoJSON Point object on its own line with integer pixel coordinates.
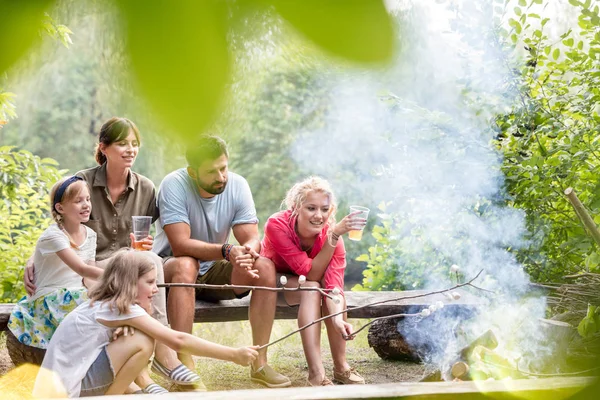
{"type": "Point", "coordinates": [357, 30]}
{"type": "Point", "coordinates": [179, 54]}
{"type": "Point", "coordinates": [19, 25]}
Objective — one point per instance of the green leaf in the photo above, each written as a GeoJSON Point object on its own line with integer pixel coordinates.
{"type": "Point", "coordinates": [19, 26]}
{"type": "Point", "coordinates": [568, 42]}
{"type": "Point", "coordinates": [363, 257]}
{"type": "Point", "coordinates": [556, 54]}
{"type": "Point", "coordinates": [180, 58]}
{"type": "Point", "coordinates": [523, 3]}
{"type": "Point", "coordinates": [357, 30]}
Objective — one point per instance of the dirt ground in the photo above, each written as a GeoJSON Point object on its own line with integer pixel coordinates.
{"type": "Point", "coordinates": [286, 357]}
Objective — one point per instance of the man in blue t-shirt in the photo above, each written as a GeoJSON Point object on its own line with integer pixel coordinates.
{"type": "Point", "coordinates": [199, 207]}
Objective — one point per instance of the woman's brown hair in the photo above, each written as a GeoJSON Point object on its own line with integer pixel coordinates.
{"type": "Point", "coordinates": [118, 283]}
{"type": "Point", "coordinates": [113, 130]}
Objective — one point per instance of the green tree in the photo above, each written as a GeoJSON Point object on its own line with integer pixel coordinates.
{"type": "Point", "coordinates": [550, 137]}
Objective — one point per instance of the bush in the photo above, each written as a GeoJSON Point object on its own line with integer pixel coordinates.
{"type": "Point", "coordinates": [25, 181]}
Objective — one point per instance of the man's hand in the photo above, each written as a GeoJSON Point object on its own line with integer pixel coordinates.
{"type": "Point", "coordinates": [244, 257]}
{"type": "Point", "coordinates": [29, 277]}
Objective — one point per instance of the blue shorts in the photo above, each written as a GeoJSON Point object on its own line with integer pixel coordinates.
{"type": "Point", "coordinates": [99, 377]}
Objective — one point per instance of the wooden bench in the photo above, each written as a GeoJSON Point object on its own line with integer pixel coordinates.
{"type": "Point", "coordinates": [237, 310]}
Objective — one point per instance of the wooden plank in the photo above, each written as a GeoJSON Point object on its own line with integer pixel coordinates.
{"type": "Point", "coordinates": [551, 388]}
{"type": "Point", "coordinates": [237, 310]}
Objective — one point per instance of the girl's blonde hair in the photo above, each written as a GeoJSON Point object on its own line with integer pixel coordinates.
{"type": "Point", "coordinates": [296, 196]}
{"type": "Point", "coordinates": [70, 193]}
{"type": "Point", "coordinates": [118, 283]}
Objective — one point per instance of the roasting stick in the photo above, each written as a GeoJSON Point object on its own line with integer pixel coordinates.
{"type": "Point", "coordinates": [469, 283]}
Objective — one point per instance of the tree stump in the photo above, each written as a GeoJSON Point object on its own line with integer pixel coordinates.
{"type": "Point", "coordinates": [20, 353]}
{"type": "Point", "coordinates": [388, 343]}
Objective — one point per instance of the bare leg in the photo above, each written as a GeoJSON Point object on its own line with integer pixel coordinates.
{"type": "Point", "coordinates": [129, 356]}
{"type": "Point", "coordinates": [309, 311]}
{"type": "Point", "coordinates": [262, 304]}
{"type": "Point", "coordinates": [181, 302]}
{"type": "Point", "coordinates": [336, 342]}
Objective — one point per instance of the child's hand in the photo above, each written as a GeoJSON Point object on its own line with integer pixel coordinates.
{"type": "Point", "coordinates": [245, 355]}
{"type": "Point", "coordinates": [122, 330]}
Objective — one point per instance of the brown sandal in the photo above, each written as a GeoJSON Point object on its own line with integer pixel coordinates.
{"type": "Point", "coordinates": [348, 377]}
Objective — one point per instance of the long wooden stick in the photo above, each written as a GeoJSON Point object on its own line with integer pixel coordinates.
{"type": "Point", "coordinates": [469, 283]}
{"type": "Point", "coordinates": [229, 286]}
{"type": "Point", "coordinates": [324, 292]}
{"type": "Point", "coordinates": [583, 215]}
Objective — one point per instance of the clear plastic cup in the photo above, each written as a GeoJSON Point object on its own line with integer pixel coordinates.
{"type": "Point", "coordinates": [141, 230]}
{"type": "Point", "coordinates": [356, 234]}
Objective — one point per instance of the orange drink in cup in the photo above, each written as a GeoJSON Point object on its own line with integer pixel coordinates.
{"type": "Point", "coordinates": [356, 234]}
{"type": "Point", "coordinates": [141, 230]}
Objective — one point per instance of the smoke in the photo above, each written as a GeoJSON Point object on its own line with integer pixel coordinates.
{"type": "Point", "coordinates": [418, 136]}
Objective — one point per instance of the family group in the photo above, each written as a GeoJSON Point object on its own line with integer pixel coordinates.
{"type": "Point", "coordinates": [95, 309]}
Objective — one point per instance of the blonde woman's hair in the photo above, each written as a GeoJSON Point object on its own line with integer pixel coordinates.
{"type": "Point", "coordinates": [69, 195]}
{"type": "Point", "coordinates": [118, 283]}
{"type": "Point", "coordinates": [296, 196]}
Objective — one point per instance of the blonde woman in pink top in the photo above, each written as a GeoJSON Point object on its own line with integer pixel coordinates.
{"type": "Point", "coordinates": [306, 240]}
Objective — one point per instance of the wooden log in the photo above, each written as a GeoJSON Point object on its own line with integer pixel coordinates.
{"type": "Point", "coordinates": [583, 215]}
{"type": "Point", "coordinates": [5, 310]}
{"type": "Point", "coordinates": [388, 343]}
{"type": "Point", "coordinates": [487, 339]}
{"type": "Point", "coordinates": [460, 369]}
{"type": "Point", "coordinates": [20, 353]}
{"type": "Point", "coordinates": [464, 355]}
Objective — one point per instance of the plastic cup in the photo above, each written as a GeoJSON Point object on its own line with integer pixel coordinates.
{"type": "Point", "coordinates": [356, 234]}
{"type": "Point", "coordinates": [141, 230]}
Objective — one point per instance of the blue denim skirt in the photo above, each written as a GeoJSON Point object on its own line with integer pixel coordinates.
{"type": "Point", "coordinates": [99, 376]}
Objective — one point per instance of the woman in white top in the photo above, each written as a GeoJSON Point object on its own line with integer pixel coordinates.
{"type": "Point", "coordinates": [83, 361]}
{"type": "Point", "coordinates": [64, 254]}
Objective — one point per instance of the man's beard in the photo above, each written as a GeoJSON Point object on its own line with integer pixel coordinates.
{"type": "Point", "coordinates": [212, 189]}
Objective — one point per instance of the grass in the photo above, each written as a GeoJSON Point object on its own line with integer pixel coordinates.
{"type": "Point", "coordinates": [287, 357]}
